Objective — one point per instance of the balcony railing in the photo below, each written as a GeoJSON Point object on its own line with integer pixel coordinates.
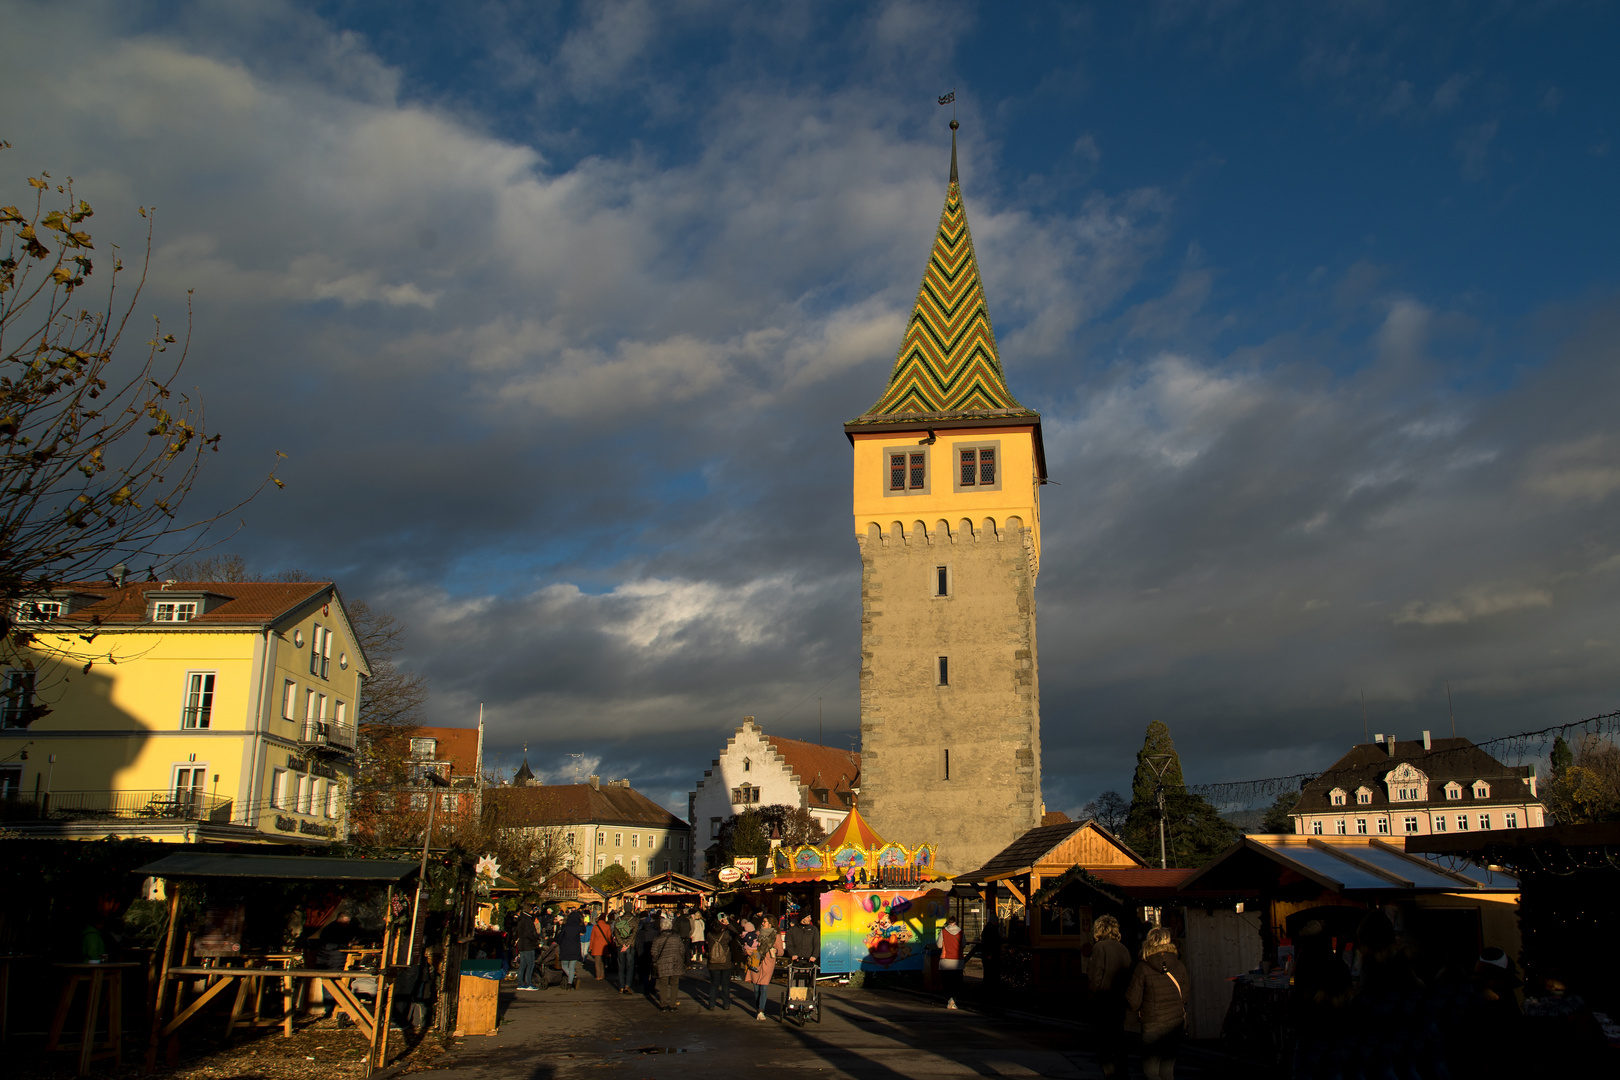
{"type": "Point", "coordinates": [327, 733]}
{"type": "Point", "coordinates": [94, 806]}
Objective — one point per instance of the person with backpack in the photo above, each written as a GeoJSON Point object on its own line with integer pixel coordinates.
{"type": "Point", "coordinates": [568, 946]}
{"type": "Point", "coordinates": [624, 939]}
{"type": "Point", "coordinates": [723, 949]}
{"type": "Point", "coordinates": [761, 947]}
{"type": "Point", "coordinates": [668, 961]}
{"type": "Point", "coordinates": [1159, 991]}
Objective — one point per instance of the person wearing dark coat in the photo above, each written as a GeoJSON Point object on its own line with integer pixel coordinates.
{"type": "Point", "coordinates": [723, 951]}
{"type": "Point", "coordinates": [804, 940]}
{"type": "Point", "coordinates": [1158, 991]}
{"type": "Point", "coordinates": [568, 950]}
{"type": "Point", "coordinates": [668, 956]}
{"type": "Point", "coordinates": [525, 940]}
{"type": "Point", "coordinates": [1108, 970]}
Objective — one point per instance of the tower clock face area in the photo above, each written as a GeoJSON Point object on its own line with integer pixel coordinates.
{"type": "Point", "coordinates": [946, 498]}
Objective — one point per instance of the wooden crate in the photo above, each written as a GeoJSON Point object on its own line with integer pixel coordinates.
{"type": "Point", "coordinates": [479, 998]}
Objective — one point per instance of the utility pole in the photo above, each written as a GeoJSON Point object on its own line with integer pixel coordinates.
{"type": "Point", "coordinates": [1159, 763]}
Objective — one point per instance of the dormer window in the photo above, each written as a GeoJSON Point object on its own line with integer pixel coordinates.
{"type": "Point", "coordinates": [424, 749]}
{"type": "Point", "coordinates": [1364, 796]}
{"type": "Point", "coordinates": [1337, 796]}
{"type": "Point", "coordinates": [1453, 791]}
{"type": "Point", "coordinates": [37, 611]}
{"type": "Point", "coordinates": [1406, 794]}
{"type": "Point", "coordinates": [174, 611]}
{"type": "Point", "coordinates": [1482, 790]}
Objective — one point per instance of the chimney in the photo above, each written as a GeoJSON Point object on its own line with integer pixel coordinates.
{"type": "Point", "coordinates": [1389, 744]}
{"type": "Point", "coordinates": [118, 573]}
{"type": "Point", "coordinates": [596, 782]}
{"type": "Point", "coordinates": [1428, 743]}
{"type": "Point", "coordinates": [1379, 739]}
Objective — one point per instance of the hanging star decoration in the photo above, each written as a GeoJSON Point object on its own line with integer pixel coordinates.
{"type": "Point", "coordinates": [487, 870]}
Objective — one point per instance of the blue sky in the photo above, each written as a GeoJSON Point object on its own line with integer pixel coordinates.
{"type": "Point", "coordinates": [558, 309]}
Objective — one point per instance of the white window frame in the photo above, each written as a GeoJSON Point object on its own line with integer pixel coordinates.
{"type": "Point", "coordinates": [37, 611]}
{"type": "Point", "coordinates": [1462, 822]}
{"type": "Point", "coordinates": [1340, 828]}
{"type": "Point", "coordinates": [1453, 791]}
{"type": "Point", "coordinates": [1439, 823]}
{"type": "Point", "coordinates": [618, 860]}
{"type": "Point", "coordinates": [334, 794]}
{"type": "Point", "coordinates": [1482, 790]}
{"type": "Point", "coordinates": [1361, 826]}
{"type": "Point", "coordinates": [278, 789]}
{"type": "Point", "coordinates": [1383, 826]}
{"type": "Point", "coordinates": [208, 686]}
{"type": "Point", "coordinates": [714, 828]}
{"type": "Point", "coordinates": [23, 683]}
{"type": "Point", "coordinates": [1316, 827]}
{"type": "Point", "coordinates": [635, 866]}
{"type": "Point", "coordinates": [289, 700]}
{"type": "Point", "coordinates": [601, 862]}
{"type": "Point", "coordinates": [1410, 823]}
{"type": "Point", "coordinates": [174, 611]}
{"type": "Point", "coordinates": [1510, 819]}
{"type": "Point", "coordinates": [635, 839]}
{"type": "Point", "coordinates": [1338, 796]}
{"type": "Point", "coordinates": [1485, 822]}
{"type": "Point", "coordinates": [1363, 796]}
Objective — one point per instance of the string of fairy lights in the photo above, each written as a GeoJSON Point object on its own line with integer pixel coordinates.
{"type": "Point", "coordinates": [1515, 749]}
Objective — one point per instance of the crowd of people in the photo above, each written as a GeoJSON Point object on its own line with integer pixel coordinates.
{"type": "Point", "coordinates": [653, 950]}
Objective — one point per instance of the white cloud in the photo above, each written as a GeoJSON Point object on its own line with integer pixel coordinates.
{"type": "Point", "coordinates": [1480, 602]}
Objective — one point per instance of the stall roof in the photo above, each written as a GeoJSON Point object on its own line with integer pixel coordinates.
{"type": "Point", "coordinates": [1353, 864]}
{"type": "Point", "coordinates": [281, 867]}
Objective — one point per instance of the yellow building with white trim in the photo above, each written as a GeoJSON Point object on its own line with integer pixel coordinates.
{"type": "Point", "coordinates": [182, 711]}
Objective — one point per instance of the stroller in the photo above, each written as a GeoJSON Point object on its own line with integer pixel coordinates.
{"type": "Point", "coordinates": [802, 999]}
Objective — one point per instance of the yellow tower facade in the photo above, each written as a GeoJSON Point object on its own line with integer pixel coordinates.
{"type": "Point", "coordinates": [947, 471]}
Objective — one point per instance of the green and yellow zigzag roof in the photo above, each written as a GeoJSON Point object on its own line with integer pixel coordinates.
{"type": "Point", "coordinates": [947, 362]}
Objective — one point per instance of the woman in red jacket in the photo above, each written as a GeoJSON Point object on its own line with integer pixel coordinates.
{"type": "Point", "coordinates": [601, 936]}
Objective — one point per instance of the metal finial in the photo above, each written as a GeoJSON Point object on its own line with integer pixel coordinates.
{"type": "Point", "coordinates": [954, 126]}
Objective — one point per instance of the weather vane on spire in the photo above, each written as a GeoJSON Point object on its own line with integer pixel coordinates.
{"type": "Point", "coordinates": [950, 99]}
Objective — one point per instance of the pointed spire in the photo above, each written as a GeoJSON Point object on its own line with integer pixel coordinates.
{"type": "Point", "coordinates": [947, 364]}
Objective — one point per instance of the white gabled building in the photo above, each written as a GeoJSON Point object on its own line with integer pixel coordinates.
{"type": "Point", "coordinates": [756, 769]}
{"type": "Point", "coordinates": [1390, 789]}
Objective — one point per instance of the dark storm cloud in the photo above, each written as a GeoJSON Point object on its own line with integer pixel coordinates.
{"type": "Point", "coordinates": [573, 409]}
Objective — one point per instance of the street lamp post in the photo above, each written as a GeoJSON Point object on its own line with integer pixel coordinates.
{"type": "Point", "coordinates": [1159, 763]}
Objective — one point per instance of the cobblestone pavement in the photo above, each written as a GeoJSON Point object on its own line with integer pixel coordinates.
{"type": "Point", "coordinates": [874, 1035]}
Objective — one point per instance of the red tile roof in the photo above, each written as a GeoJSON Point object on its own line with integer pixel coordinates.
{"type": "Point", "coordinates": [820, 768]}
{"type": "Point", "coordinates": [457, 745]}
{"type": "Point", "coordinates": [578, 804]}
{"type": "Point", "coordinates": [246, 602]}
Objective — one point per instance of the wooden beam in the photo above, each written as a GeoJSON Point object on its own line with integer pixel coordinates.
{"type": "Point", "coordinates": [228, 976]}
{"type": "Point", "coordinates": [163, 977]}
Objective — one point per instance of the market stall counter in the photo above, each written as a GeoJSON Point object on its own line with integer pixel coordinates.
{"type": "Point", "coordinates": [214, 954]}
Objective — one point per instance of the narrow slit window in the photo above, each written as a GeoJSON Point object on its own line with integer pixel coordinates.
{"type": "Point", "coordinates": [942, 581]}
{"type": "Point", "coordinates": [947, 764]}
{"type": "Point", "coordinates": [944, 671]}
{"type": "Point", "coordinates": [918, 471]}
{"type": "Point", "coordinates": [897, 472]}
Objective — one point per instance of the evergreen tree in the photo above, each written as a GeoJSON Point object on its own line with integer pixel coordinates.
{"type": "Point", "coordinates": [1562, 756]}
{"type": "Point", "coordinates": [1193, 831]}
{"type": "Point", "coordinates": [1277, 819]}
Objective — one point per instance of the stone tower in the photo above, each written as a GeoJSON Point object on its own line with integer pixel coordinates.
{"type": "Point", "coordinates": [947, 474]}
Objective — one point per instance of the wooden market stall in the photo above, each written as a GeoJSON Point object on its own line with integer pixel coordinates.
{"type": "Point", "coordinates": [668, 889]}
{"type": "Point", "coordinates": [1044, 932]}
{"type": "Point", "coordinates": [214, 956]}
{"type": "Point", "coordinates": [566, 890]}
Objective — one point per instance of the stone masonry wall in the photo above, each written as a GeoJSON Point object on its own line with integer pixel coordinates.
{"type": "Point", "coordinates": [988, 717]}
